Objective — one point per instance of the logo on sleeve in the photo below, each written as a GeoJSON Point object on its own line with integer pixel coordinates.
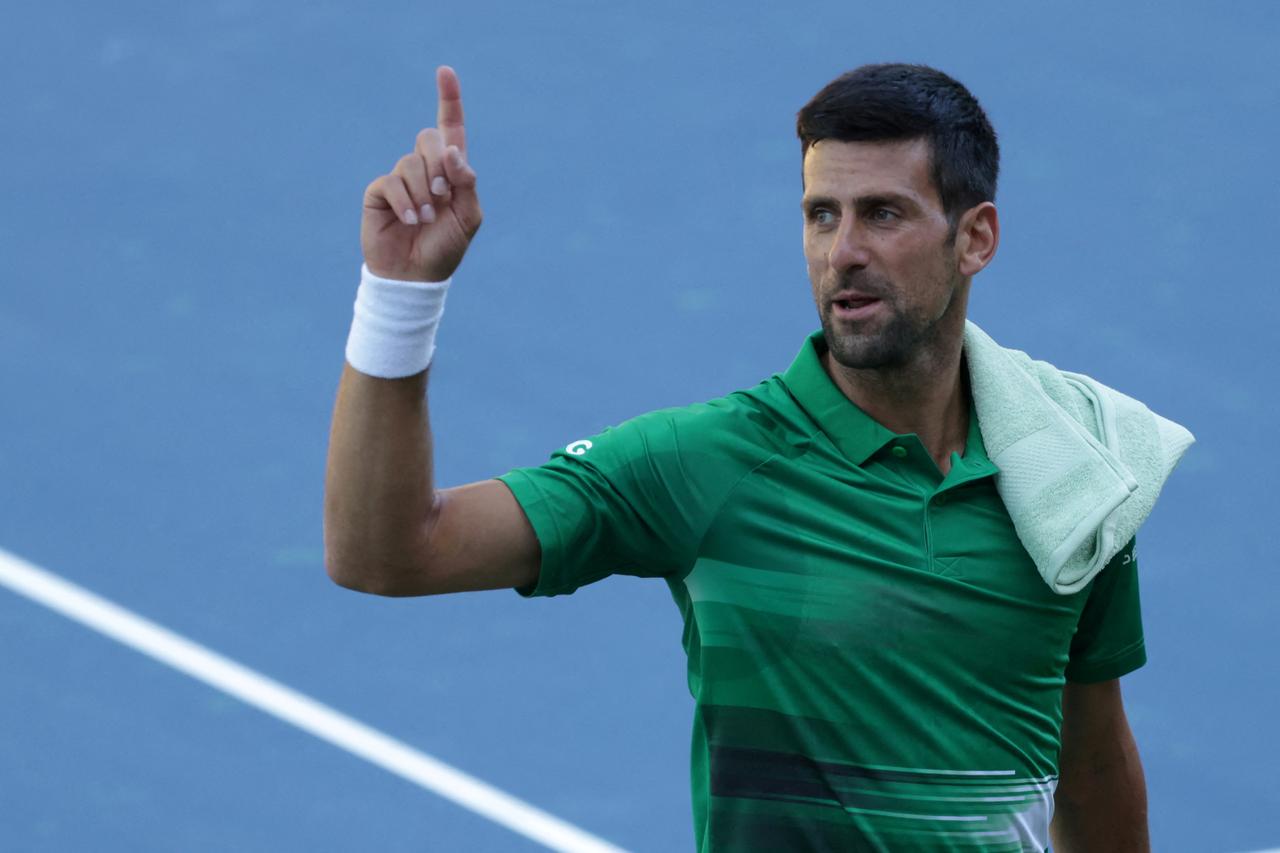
{"type": "Point", "coordinates": [578, 447]}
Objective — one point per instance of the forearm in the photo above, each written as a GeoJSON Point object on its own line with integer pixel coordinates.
{"type": "Point", "coordinates": [378, 483]}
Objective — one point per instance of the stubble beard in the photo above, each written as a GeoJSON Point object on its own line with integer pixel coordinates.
{"type": "Point", "coordinates": [892, 342]}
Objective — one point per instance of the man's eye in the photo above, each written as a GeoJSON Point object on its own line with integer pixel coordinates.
{"type": "Point", "coordinates": [822, 216]}
{"type": "Point", "coordinates": [883, 214]}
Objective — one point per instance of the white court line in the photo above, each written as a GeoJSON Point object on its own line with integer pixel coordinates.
{"type": "Point", "coordinates": [293, 707]}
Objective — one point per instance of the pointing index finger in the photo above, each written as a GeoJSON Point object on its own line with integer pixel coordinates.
{"type": "Point", "coordinates": [449, 114]}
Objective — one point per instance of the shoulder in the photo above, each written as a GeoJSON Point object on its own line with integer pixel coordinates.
{"type": "Point", "coordinates": [741, 428]}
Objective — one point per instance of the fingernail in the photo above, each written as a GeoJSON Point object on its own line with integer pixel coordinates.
{"type": "Point", "coordinates": [410, 218]}
{"type": "Point", "coordinates": [428, 213]}
{"type": "Point", "coordinates": [455, 155]}
{"type": "Point", "coordinates": [439, 186]}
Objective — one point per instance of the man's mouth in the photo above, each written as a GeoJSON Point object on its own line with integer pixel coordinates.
{"type": "Point", "coordinates": [854, 306]}
{"type": "Point", "coordinates": [858, 302]}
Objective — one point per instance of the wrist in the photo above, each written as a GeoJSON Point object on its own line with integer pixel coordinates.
{"type": "Point", "coordinates": [407, 276]}
{"type": "Point", "coordinates": [394, 323]}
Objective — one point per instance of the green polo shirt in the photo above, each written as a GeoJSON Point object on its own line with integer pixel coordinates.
{"type": "Point", "coordinates": [876, 663]}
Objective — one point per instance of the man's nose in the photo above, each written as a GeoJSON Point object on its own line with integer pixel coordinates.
{"type": "Point", "coordinates": [848, 250]}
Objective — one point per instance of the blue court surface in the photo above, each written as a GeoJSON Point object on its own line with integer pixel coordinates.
{"type": "Point", "coordinates": [181, 188]}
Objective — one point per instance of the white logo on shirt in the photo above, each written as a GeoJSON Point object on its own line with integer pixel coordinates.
{"type": "Point", "coordinates": [578, 447]}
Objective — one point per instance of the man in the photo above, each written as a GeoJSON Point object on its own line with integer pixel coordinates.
{"type": "Point", "coordinates": [876, 662]}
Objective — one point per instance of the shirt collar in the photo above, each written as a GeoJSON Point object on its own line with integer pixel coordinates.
{"type": "Point", "coordinates": [855, 433]}
{"type": "Point", "coordinates": [852, 430]}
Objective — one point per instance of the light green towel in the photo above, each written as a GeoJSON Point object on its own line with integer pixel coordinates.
{"type": "Point", "coordinates": [1081, 465]}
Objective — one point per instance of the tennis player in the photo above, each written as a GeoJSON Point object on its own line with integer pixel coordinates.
{"type": "Point", "coordinates": [876, 662]}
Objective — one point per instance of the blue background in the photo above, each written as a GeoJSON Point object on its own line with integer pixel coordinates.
{"type": "Point", "coordinates": [180, 187]}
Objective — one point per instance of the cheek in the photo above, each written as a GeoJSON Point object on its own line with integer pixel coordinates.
{"type": "Point", "coordinates": [929, 270]}
{"type": "Point", "coordinates": [815, 255]}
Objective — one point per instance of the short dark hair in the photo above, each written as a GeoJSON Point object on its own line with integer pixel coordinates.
{"type": "Point", "coordinates": [895, 101]}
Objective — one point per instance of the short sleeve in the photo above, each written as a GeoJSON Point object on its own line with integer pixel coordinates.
{"type": "Point", "coordinates": [1108, 642]}
{"type": "Point", "coordinates": [635, 499]}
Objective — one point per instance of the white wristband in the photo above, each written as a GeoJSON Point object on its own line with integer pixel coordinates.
{"type": "Point", "coordinates": [393, 332]}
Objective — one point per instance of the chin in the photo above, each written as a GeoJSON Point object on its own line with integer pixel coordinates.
{"type": "Point", "coordinates": [864, 352]}
{"type": "Point", "coordinates": [884, 348]}
{"type": "Point", "coordinates": [869, 358]}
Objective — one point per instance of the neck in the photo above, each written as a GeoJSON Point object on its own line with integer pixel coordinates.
{"type": "Point", "coordinates": [928, 397]}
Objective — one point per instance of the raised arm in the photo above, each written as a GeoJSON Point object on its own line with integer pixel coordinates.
{"type": "Point", "coordinates": [387, 530]}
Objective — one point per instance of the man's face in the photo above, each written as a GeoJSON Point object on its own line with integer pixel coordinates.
{"type": "Point", "coordinates": [878, 244]}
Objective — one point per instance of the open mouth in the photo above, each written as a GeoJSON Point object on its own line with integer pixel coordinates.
{"type": "Point", "coordinates": [854, 308]}
{"type": "Point", "coordinates": [852, 304]}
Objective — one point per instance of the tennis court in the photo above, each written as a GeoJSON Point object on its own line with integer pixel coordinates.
{"type": "Point", "coordinates": [181, 192]}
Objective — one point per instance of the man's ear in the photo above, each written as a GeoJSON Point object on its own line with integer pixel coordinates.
{"type": "Point", "coordinates": [977, 237]}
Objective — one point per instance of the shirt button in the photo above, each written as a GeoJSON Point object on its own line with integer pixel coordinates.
{"type": "Point", "coordinates": [899, 451]}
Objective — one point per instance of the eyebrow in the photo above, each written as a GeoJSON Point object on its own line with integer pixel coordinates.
{"type": "Point", "coordinates": [877, 199]}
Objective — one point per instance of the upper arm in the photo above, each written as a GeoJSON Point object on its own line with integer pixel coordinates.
{"type": "Point", "coordinates": [479, 538]}
{"type": "Point", "coordinates": [1101, 795]}
{"type": "Point", "coordinates": [476, 537]}
{"type": "Point", "coordinates": [1108, 644]}
{"type": "Point", "coordinates": [623, 501]}
{"type": "Point", "coordinates": [1096, 738]}
{"type": "Point", "coordinates": [1091, 713]}
{"type": "Point", "coordinates": [1101, 801]}
{"type": "Point", "coordinates": [634, 499]}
